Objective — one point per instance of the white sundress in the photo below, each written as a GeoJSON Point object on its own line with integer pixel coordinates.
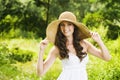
{"type": "Point", "coordinates": [73, 69]}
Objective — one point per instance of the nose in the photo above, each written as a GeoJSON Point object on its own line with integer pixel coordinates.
{"type": "Point", "coordinates": [66, 27]}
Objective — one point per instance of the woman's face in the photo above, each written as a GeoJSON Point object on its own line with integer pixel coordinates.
{"type": "Point", "coordinates": [67, 28]}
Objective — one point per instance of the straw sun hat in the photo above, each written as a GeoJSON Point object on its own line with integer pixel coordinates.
{"type": "Point", "coordinates": [66, 16]}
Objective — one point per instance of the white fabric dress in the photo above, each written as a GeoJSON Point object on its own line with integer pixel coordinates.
{"type": "Point", "coordinates": [73, 69]}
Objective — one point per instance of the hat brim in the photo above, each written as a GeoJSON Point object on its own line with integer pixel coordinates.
{"type": "Point", "coordinates": [53, 26]}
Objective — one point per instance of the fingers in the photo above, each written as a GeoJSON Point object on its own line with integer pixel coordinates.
{"type": "Point", "coordinates": [43, 44]}
{"type": "Point", "coordinates": [44, 41]}
{"type": "Point", "coordinates": [94, 34]}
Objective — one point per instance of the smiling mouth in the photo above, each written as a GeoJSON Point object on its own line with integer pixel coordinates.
{"type": "Point", "coordinates": [66, 31]}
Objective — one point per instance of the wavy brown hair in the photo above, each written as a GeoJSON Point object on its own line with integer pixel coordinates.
{"type": "Point", "coordinates": [60, 42]}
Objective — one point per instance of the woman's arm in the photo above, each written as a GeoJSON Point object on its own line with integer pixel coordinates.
{"type": "Point", "coordinates": [103, 52]}
{"type": "Point", "coordinates": [43, 66]}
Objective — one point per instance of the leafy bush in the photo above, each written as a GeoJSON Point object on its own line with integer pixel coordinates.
{"type": "Point", "coordinates": [93, 19]}
{"type": "Point", "coordinates": [8, 56]}
{"type": "Point", "coordinates": [4, 54]}
{"type": "Point", "coordinates": [11, 72]}
{"type": "Point", "coordinates": [113, 32]}
{"type": "Point", "coordinates": [18, 33]}
{"type": "Point", "coordinates": [9, 69]}
{"type": "Point", "coordinates": [21, 55]}
{"type": "Point", "coordinates": [101, 70]}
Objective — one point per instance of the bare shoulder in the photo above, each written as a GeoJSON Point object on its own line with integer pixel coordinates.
{"type": "Point", "coordinates": [84, 43]}
{"type": "Point", "coordinates": [87, 44]}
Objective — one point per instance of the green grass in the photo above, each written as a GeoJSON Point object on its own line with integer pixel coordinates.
{"type": "Point", "coordinates": [27, 44]}
{"type": "Point", "coordinates": [97, 69]}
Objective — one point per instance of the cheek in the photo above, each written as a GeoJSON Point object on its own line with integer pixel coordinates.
{"type": "Point", "coordinates": [72, 28]}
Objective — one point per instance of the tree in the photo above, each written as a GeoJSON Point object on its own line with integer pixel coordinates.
{"type": "Point", "coordinates": [28, 16]}
{"type": "Point", "coordinates": [111, 13]}
{"type": "Point", "coordinates": [35, 15]}
{"type": "Point", "coordinates": [106, 12]}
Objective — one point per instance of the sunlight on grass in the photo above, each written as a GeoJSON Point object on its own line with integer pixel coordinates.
{"type": "Point", "coordinates": [97, 69]}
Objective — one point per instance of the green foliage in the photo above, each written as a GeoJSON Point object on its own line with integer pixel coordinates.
{"type": "Point", "coordinates": [25, 16]}
{"type": "Point", "coordinates": [7, 72]}
{"type": "Point", "coordinates": [10, 72]}
{"type": "Point", "coordinates": [100, 70]}
{"type": "Point", "coordinates": [21, 55]}
{"type": "Point", "coordinates": [113, 32]}
{"type": "Point", "coordinates": [8, 56]}
{"type": "Point", "coordinates": [111, 10]}
{"type": "Point", "coordinates": [34, 15]}
{"type": "Point", "coordinates": [93, 20]}
{"type": "Point", "coordinates": [18, 33]}
{"type": "Point", "coordinates": [111, 13]}
{"type": "Point", "coordinates": [4, 54]}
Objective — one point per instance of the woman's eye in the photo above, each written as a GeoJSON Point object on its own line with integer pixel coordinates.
{"type": "Point", "coordinates": [69, 24]}
{"type": "Point", "coordinates": [62, 25]}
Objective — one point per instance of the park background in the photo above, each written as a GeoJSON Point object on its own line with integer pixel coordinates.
{"type": "Point", "coordinates": [23, 25]}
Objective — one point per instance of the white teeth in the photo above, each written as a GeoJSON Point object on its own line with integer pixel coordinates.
{"type": "Point", "coordinates": [66, 31]}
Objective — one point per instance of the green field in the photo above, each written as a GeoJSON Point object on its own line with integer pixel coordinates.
{"type": "Point", "coordinates": [22, 65]}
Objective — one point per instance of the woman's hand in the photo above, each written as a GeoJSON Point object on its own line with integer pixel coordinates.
{"type": "Point", "coordinates": [43, 44]}
{"type": "Point", "coordinates": [95, 36]}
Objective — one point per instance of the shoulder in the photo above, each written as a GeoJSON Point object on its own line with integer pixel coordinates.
{"type": "Point", "coordinates": [84, 43]}
{"type": "Point", "coordinates": [87, 44]}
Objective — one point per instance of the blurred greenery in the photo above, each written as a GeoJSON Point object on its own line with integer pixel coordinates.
{"type": "Point", "coordinates": [23, 24]}
{"type": "Point", "coordinates": [14, 69]}
{"type": "Point", "coordinates": [31, 17]}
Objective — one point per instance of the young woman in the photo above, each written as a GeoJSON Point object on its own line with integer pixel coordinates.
{"type": "Point", "coordinates": [68, 36]}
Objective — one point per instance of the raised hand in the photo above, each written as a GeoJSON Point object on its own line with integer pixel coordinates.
{"type": "Point", "coordinates": [43, 44]}
{"type": "Point", "coordinates": [95, 36]}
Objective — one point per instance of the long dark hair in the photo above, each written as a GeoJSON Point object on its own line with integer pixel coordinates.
{"type": "Point", "coordinates": [60, 42]}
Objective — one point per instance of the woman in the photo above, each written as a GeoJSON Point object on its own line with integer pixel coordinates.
{"type": "Point", "coordinates": [70, 46]}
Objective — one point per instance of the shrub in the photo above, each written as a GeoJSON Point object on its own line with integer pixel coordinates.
{"type": "Point", "coordinates": [21, 55]}
{"type": "Point", "coordinates": [8, 56]}
{"type": "Point", "coordinates": [4, 54]}
{"type": "Point", "coordinates": [18, 33]}
{"type": "Point", "coordinates": [93, 19]}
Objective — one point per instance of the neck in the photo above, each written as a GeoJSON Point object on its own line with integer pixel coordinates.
{"type": "Point", "coordinates": [69, 40]}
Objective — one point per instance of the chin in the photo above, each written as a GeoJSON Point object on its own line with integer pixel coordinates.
{"type": "Point", "coordinates": [67, 35]}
